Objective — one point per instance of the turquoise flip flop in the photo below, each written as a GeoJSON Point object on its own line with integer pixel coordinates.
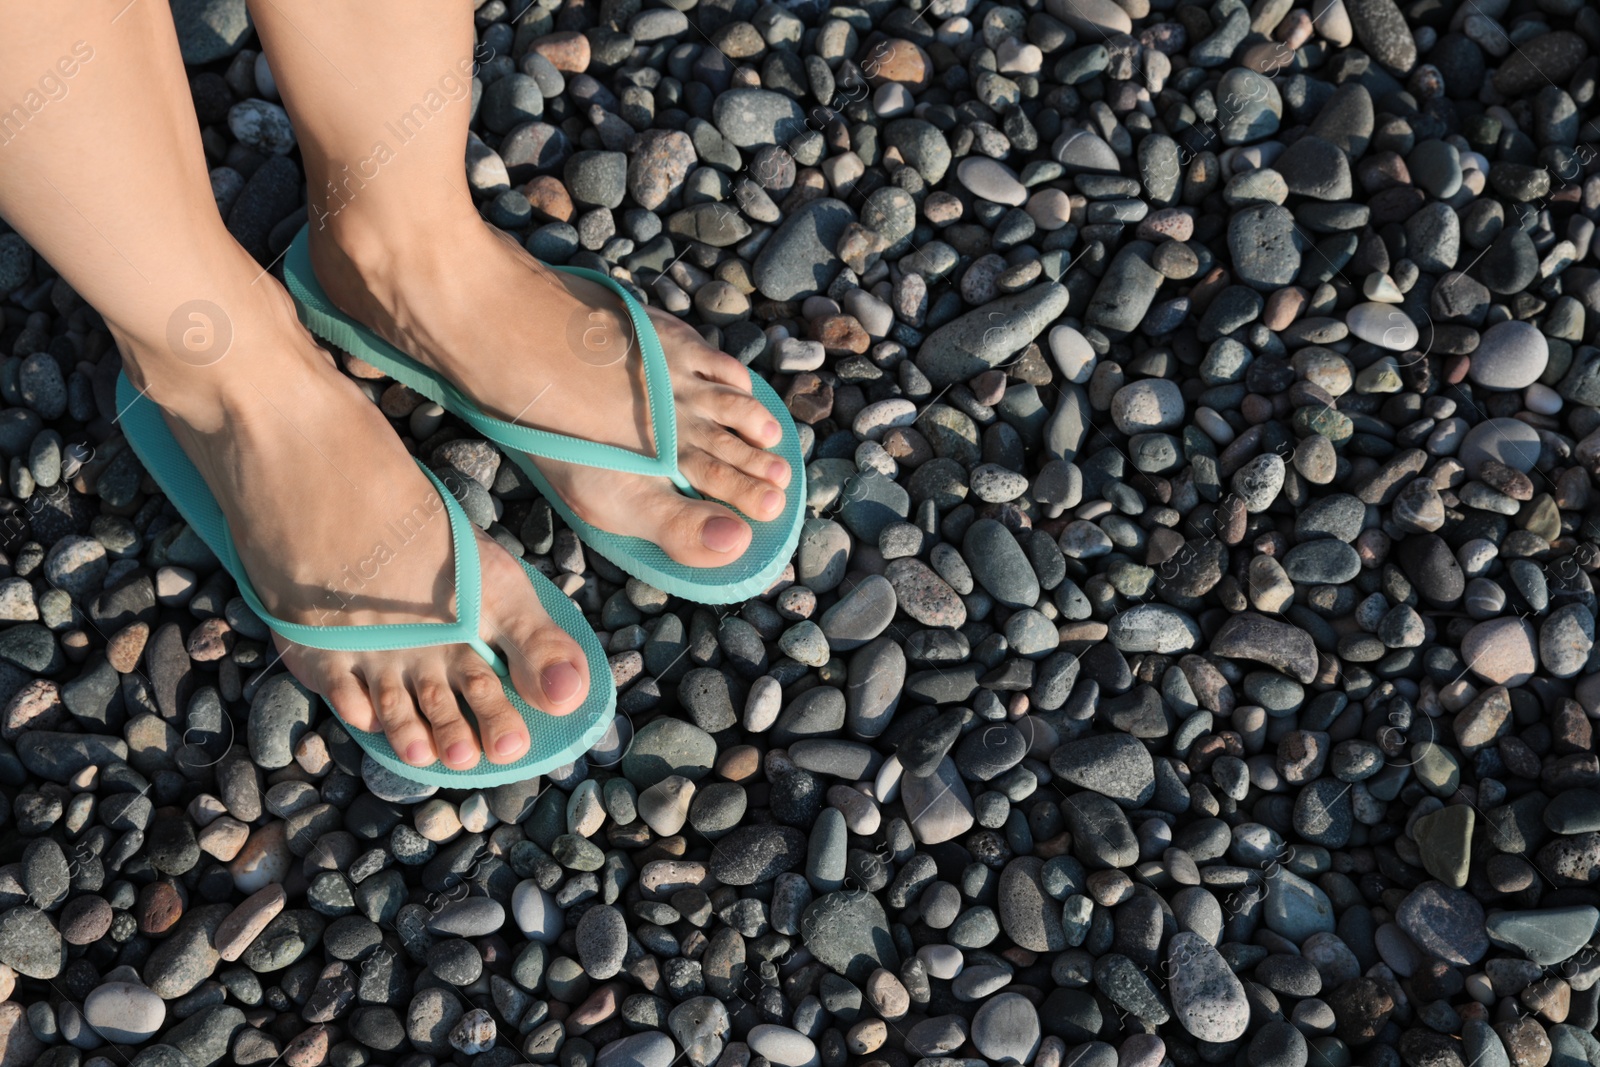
{"type": "Point", "coordinates": [556, 739]}
{"type": "Point", "coordinates": [751, 574]}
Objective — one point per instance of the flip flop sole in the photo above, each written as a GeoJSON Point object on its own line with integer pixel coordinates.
{"type": "Point", "coordinates": [761, 564]}
{"type": "Point", "coordinates": [556, 739]}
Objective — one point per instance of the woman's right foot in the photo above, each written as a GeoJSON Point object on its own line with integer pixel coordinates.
{"type": "Point", "coordinates": [337, 525]}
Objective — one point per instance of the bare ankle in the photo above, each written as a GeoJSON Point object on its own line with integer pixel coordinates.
{"type": "Point", "coordinates": [215, 355]}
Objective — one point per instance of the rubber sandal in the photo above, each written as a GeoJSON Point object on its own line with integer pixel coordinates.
{"type": "Point", "coordinates": [555, 740]}
{"type": "Point", "coordinates": [752, 573]}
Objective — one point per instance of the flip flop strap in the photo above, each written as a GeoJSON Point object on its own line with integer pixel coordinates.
{"type": "Point", "coordinates": [659, 404]}
{"type": "Point", "coordinates": [392, 636]}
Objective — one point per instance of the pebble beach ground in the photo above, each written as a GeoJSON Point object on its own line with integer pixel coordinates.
{"type": "Point", "coordinates": [1188, 658]}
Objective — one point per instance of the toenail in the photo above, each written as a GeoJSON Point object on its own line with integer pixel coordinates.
{"type": "Point", "coordinates": [771, 502]}
{"type": "Point", "coordinates": [770, 430]}
{"type": "Point", "coordinates": [508, 744]}
{"type": "Point", "coordinates": [561, 682]}
{"type": "Point", "coordinates": [460, 752]}
{"type": "Point", "coordinates": [778, 472]}
{"type": "Point", "coordinates": [417, 752]}
{"type": "Point", "coordinates": [721, 534]}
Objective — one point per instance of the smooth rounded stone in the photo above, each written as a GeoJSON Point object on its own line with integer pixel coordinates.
{"type": "Point", "coordinates": [987, 336]}
{"type": "Point", "coordinates": [1148, 405]}
{"type": "Point", "coordinates": [978, 983]}
{"type": "Point", "coordinates": [1208, 1000]}
{"type": "Point", "coordinates": [876, 673]}
{"type": "Point", "coordinates": [1278, 1043]}
{"type": "Point", "coordinates": [1510, 355]}
{"type": "Point", "coordinates": [667, 746]}
{"type": "Point", "coordinates": [664, 807]}
{"type": "Point", "coordinates": [1383, 325]}
{"type": "Point", "coordinates": [1072, 353]}
{"type": "Point", "coordinates": [124, 1011]}
{"type": "Point", "coordinates": [1115, 765]}
{"type": "Point", "coordinates": [1259, 482]}
{"type": "Point", "coordinates": [246, 921]}
{"type": "Point", "coordinates": [750, 118]}
{"type": "Point", "coordinates": [1323, 813]}
{"type": "Point", "coordinates": [1294, 907]}
{"type": "Point", "coordinates": [1444, 839]}
{"type": "Point", "coordinates": [799, 259]}
{"type": "Point", "coordinates": [1277, 644]}
{"type": "Point", "coordinates": [1250, 106]}
{"type": "Point", "coordinates": [536, 913]}
{"type": "Point", "coordinates": [783, 1047]}
{"type": "Point", "coordinates": [649, 1049]}
{"type": "Point", "coordinates": [77, 565]}
{"type": "Point", "coordinates": [280, 715]}
{"type": "Point", "coordinates": [751, 855]}
{"type": "Point", "coordinates": [848, 932]}
{"type": "Point", "coordinates": [872, 504]}
{"type": "Point", "coordinates": [823, 556]}
{"type": "Point", "coordinates": [999, 564]}
{"type": "Point", "coordinates": [938, 806]}
{"type": "Point", "coordinates": [860, 615]}
{"type": "Point", "coordinates": [1154, 628]}
{"type": "Point", "coordinates": [30, 944]}
{"type": "Point", "coordinates": [1504, 440]}
{"type": "Point", "coordinates": [1501, 651]}
{"type": "Point", "coordinates": [937, 1036]}
{"type": "Point", "coordinates": [924, 596]}
{"type": "Point", "coordinates": [994, 484]}
{"type": "Point", "coordinates": [1265, 246]}
{"type": "Point", "coordinates": [988, 752]}
{"type": "Point", "coordinates": [1006, 1027]}
{"type": "Point", "coordinates": [455, 960]}
{"type": "Point", "coordinates": [262, 125]}
{"type": "Point", "coordinates": [1566, 639]}
{"type": "Point", "coordinates": [1444, 922]}
{"type": "Point", "coordinates": [991, 180]}
{"type": "Point", "coordinates": [602, 938]}
{"type": "Point", "coordinates": [1096, 19]}
{"type": "Point", "coordinates": [1325, 562]}
{"type": "Point", "coordinates": [1435, 167]}
{"type": "Point", "coordinates": [1547, 936]}
{"type": "Point", "coordinates": [1027, 914]}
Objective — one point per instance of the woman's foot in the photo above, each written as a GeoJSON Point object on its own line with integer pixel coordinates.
{"type": "Point", "coordinates": [337, 525]}
{"type": "Point", "coordinates": [547, 350]}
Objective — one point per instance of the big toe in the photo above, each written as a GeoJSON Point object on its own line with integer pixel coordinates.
{"type": "Point", "coordinates": [548, 667]}
{"type": "Point", "coordinates": [697, 533]}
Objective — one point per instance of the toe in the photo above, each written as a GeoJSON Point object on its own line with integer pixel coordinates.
{"type": "Point", "coordinates": [505, 735]}
{"type": "Point", "coordinates": [721, 367]}
{"type": "Point", "coordinates": [397, 713]}
{"type": "Point", "coordinates": [700, 533]}
{"type": "Point", "coordinates": [548, 667]}
{"type": "Point", "coordinates": [744, 415]}
{"type": "Point", "coordinates": [351, 703]}
{"type": "Point", "coordinates": [453, 739]}
{"type": "Point", "coordinates": [755, 497]}
{"type": "Point", "coordinates": [755, 462]}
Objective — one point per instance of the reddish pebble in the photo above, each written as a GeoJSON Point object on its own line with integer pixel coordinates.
{"type": "Point", "coordinates": [549, 198]}
{"type": "Point", "coordinates": [567, 51]}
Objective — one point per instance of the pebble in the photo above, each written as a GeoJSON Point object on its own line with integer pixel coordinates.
{"type": "Point", "coordinates": [124, 1011]}
{"type": "Point", "coordinates": [1510, 355]}
{"type": "Point", "coordinates": [1207, 999]}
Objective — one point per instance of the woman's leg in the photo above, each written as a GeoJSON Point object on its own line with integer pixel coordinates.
{"type": "Point", "coordinates": [306, 468]}
{"type": "Point", "coordinates": [379, 91]}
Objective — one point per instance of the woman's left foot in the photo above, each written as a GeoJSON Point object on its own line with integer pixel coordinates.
{"type": "Point", "coordinates": [545, 349]}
